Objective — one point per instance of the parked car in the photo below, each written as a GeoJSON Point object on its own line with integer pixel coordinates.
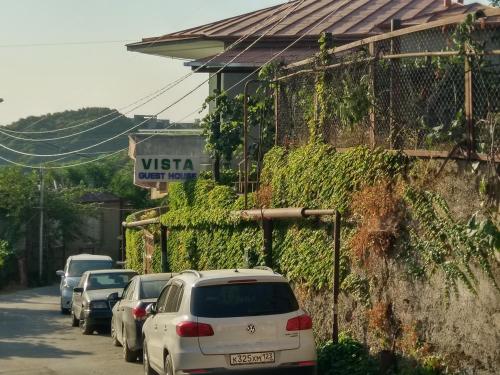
{"type": "Point", "coordinates": [75, 266]}
{"type": "Point", "coordinates": [91, 307]}
{"type": "Point", "coordinates": [129, 313]}
{"type": "Point", "coordinates": [228, 321]}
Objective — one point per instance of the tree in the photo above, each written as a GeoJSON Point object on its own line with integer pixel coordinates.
{"type": "Point", "coordinates": [495, 3]}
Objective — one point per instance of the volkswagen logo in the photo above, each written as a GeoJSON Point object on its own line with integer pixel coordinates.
{"type": "Point", "coordinates": [251, 329]}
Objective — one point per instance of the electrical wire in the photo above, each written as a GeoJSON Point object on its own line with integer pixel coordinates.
{"type": "Point", "coordinates": [146, 139]}
{"type": "Point", "coordinates": [164, 109]}
{"type": "Point", "coordinates": [153, 95]}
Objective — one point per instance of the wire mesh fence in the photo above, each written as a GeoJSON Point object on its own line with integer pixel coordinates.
{"type": "Point", "coordinates": [434, 88]}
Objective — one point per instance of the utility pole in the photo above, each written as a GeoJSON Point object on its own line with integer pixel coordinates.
{"type": "Point", "coordinates": [40, 249]}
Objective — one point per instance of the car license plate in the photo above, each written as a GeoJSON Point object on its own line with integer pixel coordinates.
{"type": "Point", "coordinates": [251, 358]}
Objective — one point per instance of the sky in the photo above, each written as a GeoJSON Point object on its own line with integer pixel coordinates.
{"type": "Point", "coordinates": [35, 80]}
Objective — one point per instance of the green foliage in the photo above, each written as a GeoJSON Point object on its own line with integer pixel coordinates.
{"type": "Point", "coordinates": [114, 175]}
{"type": "Point", "coordinates": [315, 176]}
{"type": "Point", "coordinates": [348, 357]}
{"type": "Point", "coordinates": [7, 263]}
{"type": "Point", "coordinates": [61, 121]}
{"type": "Point", "coordinates": [223, 125]}
{"type": "Point", "coordinates": [448, 245]}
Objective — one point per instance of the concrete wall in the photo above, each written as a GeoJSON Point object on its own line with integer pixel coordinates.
{"type": "Point", "coordinates": [99, 233]}
{"type": "Point", "coordinates": [463, 330]}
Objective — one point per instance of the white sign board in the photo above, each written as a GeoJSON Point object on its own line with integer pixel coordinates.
{"type": "Point", "coordinates": [166, 168]}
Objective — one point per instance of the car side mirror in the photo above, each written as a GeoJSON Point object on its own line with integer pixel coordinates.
{"type": "Point", "coordinates": [78, 290]}
{"type": "Point", "coordinates": [60, 273]}
{"type": "Point", "coordinates": [151, 309]}
{"type": "Point", "coordinates": [114, 297]}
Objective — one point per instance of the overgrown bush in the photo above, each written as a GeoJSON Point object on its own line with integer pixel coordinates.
{"type": "Point", "coordinates": [348, 357]}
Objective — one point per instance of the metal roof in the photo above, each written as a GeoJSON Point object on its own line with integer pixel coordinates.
{"type": "Point", "coordinates": [352, 19]}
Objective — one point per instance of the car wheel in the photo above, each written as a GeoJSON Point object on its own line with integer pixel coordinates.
{"type": "Point", "coordinates": [114, 337]}
{"type": "Point", "coordinates": [145, 360]}
{"type": "Point", "coordinates": [64, 311]}
{"type": "Point", "coordinates": [85, 327]}
{"type": "Point", "coordinates": [128, 355]}
{"type": "Point", "coordinates": [169, 368]}
{"type": "Point", "coordinates": [74, 321]}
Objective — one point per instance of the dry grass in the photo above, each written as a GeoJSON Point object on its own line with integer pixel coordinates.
{"type": "Point", "coordinates": [379, 208]}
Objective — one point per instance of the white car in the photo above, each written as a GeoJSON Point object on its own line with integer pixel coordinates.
{"type": "Point", "coordinates": [228, 321]}
{"type": "Point", "coordinates": [75, 266]}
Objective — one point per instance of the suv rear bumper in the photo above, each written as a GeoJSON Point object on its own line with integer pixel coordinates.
{"type": "Point", "coordinates": [282, 370]}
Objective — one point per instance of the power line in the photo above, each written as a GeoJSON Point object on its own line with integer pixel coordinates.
{"type": "Point", "coordinates": [56, 44]}
{"type": "Point", "coordinates": [275, 56]}
{"type": "Point", "coordinates": [158, 92]}
{"type": "Point", "coordinates": [164, 109]}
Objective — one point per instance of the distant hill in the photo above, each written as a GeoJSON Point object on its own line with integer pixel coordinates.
{"type": "Point", "coordinates": [63, 120]}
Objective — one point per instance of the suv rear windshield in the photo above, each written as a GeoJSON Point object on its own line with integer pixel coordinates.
{"type": "Point", "coordinates": [235, 300]}
{"type": "Point", "coordinates": [78, 267]}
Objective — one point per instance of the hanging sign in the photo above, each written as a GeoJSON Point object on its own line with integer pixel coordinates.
{"type": "Point", "coordinates": [166, 168]}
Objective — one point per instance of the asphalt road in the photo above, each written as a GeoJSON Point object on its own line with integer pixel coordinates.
{"type": "Point", "coordinates": [35, 338]}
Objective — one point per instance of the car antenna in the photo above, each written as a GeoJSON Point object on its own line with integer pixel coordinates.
{"type": "Point", "coordinates": [236, 270]}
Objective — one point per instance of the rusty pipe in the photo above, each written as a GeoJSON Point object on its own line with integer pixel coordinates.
{"type": "Point", "coordinates": [283, 213]}
{"type": "Point", "coordinates": [135, 224]}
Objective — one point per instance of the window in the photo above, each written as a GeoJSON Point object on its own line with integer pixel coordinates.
{"type": "Point", "coordinates": [108, 280]}
{"type": "Point", "coordinates": [160, 305]}
{"type": "Point", "coordinates": [236, 300]}
{"type": "Point", "coordinates": [78, 267]}
{"type": "Point", "coordinates": [171, 302]}
{"type": "Point", "coordinates": [174, 298]}
{"type": "Point", "coordinates": [129, 291]}
{"type": "Point", "coordinates": [151, 288]}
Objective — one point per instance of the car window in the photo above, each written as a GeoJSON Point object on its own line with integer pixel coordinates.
{"type": "Point", "coordinates": [78, 267]}
{"type": "Point", "coordinates": [108, 280]}
{"type": "Point", "coordinates": [161, 300]}
{"type": "Point", "coordinates": [81, 284]}
{"type": "Point", "coordinates": [129, 290]}
{"type": "Point", "coordinates": [236, 300]}
{"type": "Point", "coordinates": [151, 288]}
{"type": "Point", "coordinates": [173, 298]}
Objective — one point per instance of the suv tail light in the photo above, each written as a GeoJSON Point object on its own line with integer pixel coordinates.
{"type": "Point", "coordinates": [139, 312]}
{"type": "Point", "coordinates": [192, 329]}
{"type": "Point", "coordinates": [300, 323]}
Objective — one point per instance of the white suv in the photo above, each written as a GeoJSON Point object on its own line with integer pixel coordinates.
{"type": "Point", "coordinates": [228, 321]}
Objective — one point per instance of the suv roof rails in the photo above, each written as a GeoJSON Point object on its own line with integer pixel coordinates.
{"type": "Point", "coordinates": [264, 268]}
{"type": "Point", "coordinates": [193, 272]}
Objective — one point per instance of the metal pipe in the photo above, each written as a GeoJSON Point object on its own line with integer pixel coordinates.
{"type": "Point", "coordinates": [245, 142]}
{"type": "Point", "coordinates": [141, 223]}
{"type": "Point", "coordinates": [283, 213]}
{"type": "Point", "coordinates": [268, 242]}
{"type": "Point", "coordinates": [245, 136]}
{"type": "Point", "coordinates": [336, 277]}
{"type": "Point", "coordinates": [164, 253]}
{"type": "Point", "coordinates": [321, 212]}
{"type": "Point", "coordinates": [272, 213]}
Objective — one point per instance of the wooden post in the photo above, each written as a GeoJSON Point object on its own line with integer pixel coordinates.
{"type": "Point", "coordinates": [395, 131]}
{"type": "Point", "coordinates": [124, 243]}
{"type": "Point", "coordinates": [469, 113]}
{"type": "Point", "coordinates": [164, 254]}
{"type": "Point", "coordinates": [268, 226]}
{"type": "Point", "coordinates": [373, 89]}
{"type": "Point", "coordinates": [336, 277]}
